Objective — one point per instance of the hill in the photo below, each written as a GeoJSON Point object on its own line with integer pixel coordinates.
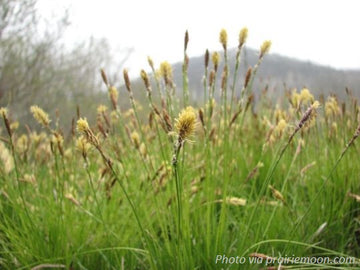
{"type": "Point", "coordinates": [277, 72]}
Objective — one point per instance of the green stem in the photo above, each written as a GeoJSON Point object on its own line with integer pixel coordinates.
{"type": "Point", "coordinates": [320, 190]}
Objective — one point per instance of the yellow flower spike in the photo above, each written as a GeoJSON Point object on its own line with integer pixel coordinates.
{"type": "Point", "coordinates": [101, 109]}
{"type": "Point", "coordinates": [22, 143]}
{"type": "Point", "coordinates": [146, 80]}
{"type": "Point", "coordinates": [166, 69]}
{"type": "Point", "coordinates": [6, 158]}
{"type": "Point", "coordinates": [40, 116]}
{"type": "Point", "coordinates": [215, 58]}
{"type": "Point", "coordinates": [83, 145]}
{"type": "Point", "coordinates": [316, 105]}
{"type": "Point", "coordinates": [57, 139]}
{"type": "Point", "coordinates": [223, 38]}
{"type": "Point", "coordinates": [306, 96]}
{"type": "Point", "coordinates": [82, 125]}
{"type": "Point", "coordinates": [243, 36]}
{"type": "Point", "coordinates": [265, 48]}
{"type": "Point", "coordinates": [280, 128]}
{"type": "Point", "coordinates": [186, 123]}
{"type": "Point", "coordinates": [332, 107]}
{"type": "Point", "coordinates": [135, 138]}
{"type": "Point", "coordinates": [143, 150]}
{"type": "Point", "coordinates": [4, 112]}
{"type": "Point", "coordinates": [113, 94]}
{"type": "Point", "coordinates": [150, 62]}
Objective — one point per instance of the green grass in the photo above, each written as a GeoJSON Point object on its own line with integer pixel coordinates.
{"type": "Point", "coordinates": [126, 205]}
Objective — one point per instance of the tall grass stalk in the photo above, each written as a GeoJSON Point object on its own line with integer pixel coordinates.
{"type": "Point", "coordinates": [305, 118]}
{"type": "Point", "coordinates": [185, 67]}
{"type": "Point", "coordinates": [321, 189]}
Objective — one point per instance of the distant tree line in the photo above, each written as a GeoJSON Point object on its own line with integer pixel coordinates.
{"type": "Point", "coordinates": [36, 68]}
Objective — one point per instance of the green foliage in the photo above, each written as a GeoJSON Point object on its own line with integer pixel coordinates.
{"type": "Point", "coordinates": [255, 180]}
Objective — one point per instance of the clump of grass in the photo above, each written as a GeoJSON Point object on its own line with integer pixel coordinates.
{"type": "Point", "coordinates": [173, 184]}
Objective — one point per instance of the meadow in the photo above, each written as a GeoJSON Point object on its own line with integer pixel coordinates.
{"type": "Point", "coordinates": [241, 181]}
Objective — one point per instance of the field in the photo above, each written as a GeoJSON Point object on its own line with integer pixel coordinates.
{"type": "Point", "coordinates": [241, 181]}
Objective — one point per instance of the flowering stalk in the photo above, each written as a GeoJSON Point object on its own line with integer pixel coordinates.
{"type": "Point", "coordinates": [167, 74]}
{"type": "Point", "coordinates": [4, 115]}
{"type": "Point", "coordinates": [224, 76]}
{"type": "Point", "coordinates": [264, 49]}
{"type": "Point", "coordinates": [185, 71]}
{"type": "Point", "coordinates": [347, 146]}
{"type": "Point", "coordinates": [185, 127]}
{"type": "Point", "coordinates": [83, 128]}
{"type": "Point", "coordinates": [147, 84]}
{"type": "Point", "coordinates": [206, 67]}
{"type": "Point", "coordinates": [132, 101]}
{"type": "Point", "coordinates": [157, 82]}
{"type": "Point", "coordinates": [242, 39]}
{"type": "Point", "coordinates": [309, 114]}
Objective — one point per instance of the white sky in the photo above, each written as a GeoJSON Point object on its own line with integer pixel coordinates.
{"type": "Point", "coordinates": [324, 32]}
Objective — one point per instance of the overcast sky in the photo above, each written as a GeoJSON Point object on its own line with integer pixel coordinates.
{"type": "Point", "coordinates": [324, 32]}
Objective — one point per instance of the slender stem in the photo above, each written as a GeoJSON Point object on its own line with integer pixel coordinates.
{"type": "Point", "coordinates": [320, 190]}
{"type": "Point", "coordinates": [264, 186]}
{"type": "Point", "coordinates": [18, 179]}
{"type": "Point", "coordinates": [237, 64]}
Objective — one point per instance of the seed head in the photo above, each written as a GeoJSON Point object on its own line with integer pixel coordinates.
{"type": "Point", "coordinates": [150, 62]}
{"type": "Point", "coordinates": [224, 77]}
{"type": "Point", "coordinates": [145, 79]}
{"type": "Point", "coordinates": [135, 138]}
{"type": "Point", "coordinates": [331, 107]}
{"type": "Point", "coordinates": [143, 150]}
{"type": "Point", "coordinates": [309, 115]}
{"type": "Point", "coordinates": [113, 94]}
{"type": "Point", "coordinates": [4, 112]}
{"type": "Point", "coordinates": [166, 70]}
{"type": "Point", "coordinates": [57, 138]}
{"type": "Point", "coordinates": [212, 77]}
{"type": "Point", "coordinates": [243, 36]}
{"type": "Point", "coordinates": [316, 105]}
{"type": "Point", "coordinates": [186, 123]}
{"type": "Point", "coordinates": [206, 60]}
{"type": "Point", "coordinates": [247, 77]}
{"type": "Point", "coordinates": [104, 77]}
{"type": "Point", "coordinates": [280, 128]}
{"type": "Point", "coordinates": [306, 96]}
{"type": "Point", "coordinates": [40, 116]}
{"type": "Point", "coordinates": [233, 201]}
{"type": "Point", "coordinates": [83, 145]}
{"type": "Point", "coordinates": [6, 158]}
{"type": "Point", "coordinates": [101, 109]}
{"type": "Point", "coordinates": [215, 58]}
{"type": "Point", "coordinates": [82, 125]}
{"type": "Point", "coordinates": [186, 40]}
{"type": "Point", "coordinates": [127, 79]}
{"type": "Point", "coordinates": [223, 38]}
{"type": "Point", "coordinates": [22, 143]}
{"type": "Point", "coordinates": [265, 47]}
{"type": "Point", "coordinates": [201, 116]}
{"type": "Point", "coordinates": [277, 194]}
